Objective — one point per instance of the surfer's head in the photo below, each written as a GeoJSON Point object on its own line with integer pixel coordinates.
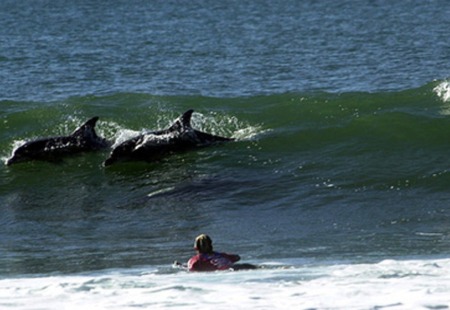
{"type": "Point", "coordinates": [203, 244]}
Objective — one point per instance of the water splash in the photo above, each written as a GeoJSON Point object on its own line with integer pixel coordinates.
{"type": "Point", "coordinates": [443, 91]}
{"type": "Point", "coordinates": [226, 126]}
{"type": "Point", "coordinates": [14, 146]}
{"type": "Point", "coordinates": [216, 124]}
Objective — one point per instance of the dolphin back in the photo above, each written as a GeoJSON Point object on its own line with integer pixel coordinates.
{"type": "Point", "coordinates": [206, 138]}
{"type": "Point", "coordinates": [87, 136]}
{"type": "Point", "coordinates": [183, 122]}
{"type": "Point", "coordinates": [54, 149]}
{"type": "Point", "coordinates": [179, 137]}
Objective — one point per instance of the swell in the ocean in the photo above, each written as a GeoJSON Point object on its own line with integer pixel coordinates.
{"type": "Point", "coordinates": [367, 131]}
{"type": "Point", "coordinates": [306, 172]}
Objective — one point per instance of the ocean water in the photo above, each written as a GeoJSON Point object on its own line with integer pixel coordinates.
{"type": "Point", "coordinates": [337, 184]}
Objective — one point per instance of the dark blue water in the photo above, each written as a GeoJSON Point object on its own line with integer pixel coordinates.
{"type": "Point", "coordinates": [340, 111]}
{"type": "Point", "coordinates": [57, 49]}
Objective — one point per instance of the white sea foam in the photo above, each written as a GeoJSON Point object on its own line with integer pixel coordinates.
{"type": "Point", "coordinates": [15, 145]}
{"type": "Point", "coordinates": [396, 284]}
{"type": "Point", "coordinates": [161, 191]}
{"type": "Point", "coordinates": [226, 126]}
{"type": "Point", "coordinates": [123, 135]}
{"type": "Point", "coordinates": [443, 91]}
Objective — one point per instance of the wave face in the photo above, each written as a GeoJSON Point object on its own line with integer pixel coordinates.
{"type": "Point", "coordinates": [307, 170]}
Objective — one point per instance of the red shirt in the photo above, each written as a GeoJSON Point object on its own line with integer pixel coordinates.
{"type": "Point", "coordinates": [212, 262]}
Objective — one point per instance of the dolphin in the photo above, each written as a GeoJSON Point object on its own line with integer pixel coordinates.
{"type": "Point", "coordinates": [156, 144]}
{"type": "Point", "coordinates": [83, 139]}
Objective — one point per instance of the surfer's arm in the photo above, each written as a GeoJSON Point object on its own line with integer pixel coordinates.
{"type": "Point", "coordinates": [232, 257]}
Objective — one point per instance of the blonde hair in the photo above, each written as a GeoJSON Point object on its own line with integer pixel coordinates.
{"type": "Point", "coordinates": [203, 244]}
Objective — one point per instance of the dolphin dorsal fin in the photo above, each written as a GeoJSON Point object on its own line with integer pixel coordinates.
{"type": "Point", "coordinates": [87, 127]}
{"type": "Point", "coordinates": [183, 122]}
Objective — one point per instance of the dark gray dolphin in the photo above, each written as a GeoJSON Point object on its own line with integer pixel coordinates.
{"type": "Point", "coordinates": [157, 144]}
{"type": "Point", "coordinates": [83, 139]}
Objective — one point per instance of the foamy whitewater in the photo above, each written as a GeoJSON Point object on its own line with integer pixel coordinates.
{"type": "Point", "coordinates": [391, 284]}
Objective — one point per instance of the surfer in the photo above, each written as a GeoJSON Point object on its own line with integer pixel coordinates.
{"type": "Point", "coordinates": [209, 260]}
